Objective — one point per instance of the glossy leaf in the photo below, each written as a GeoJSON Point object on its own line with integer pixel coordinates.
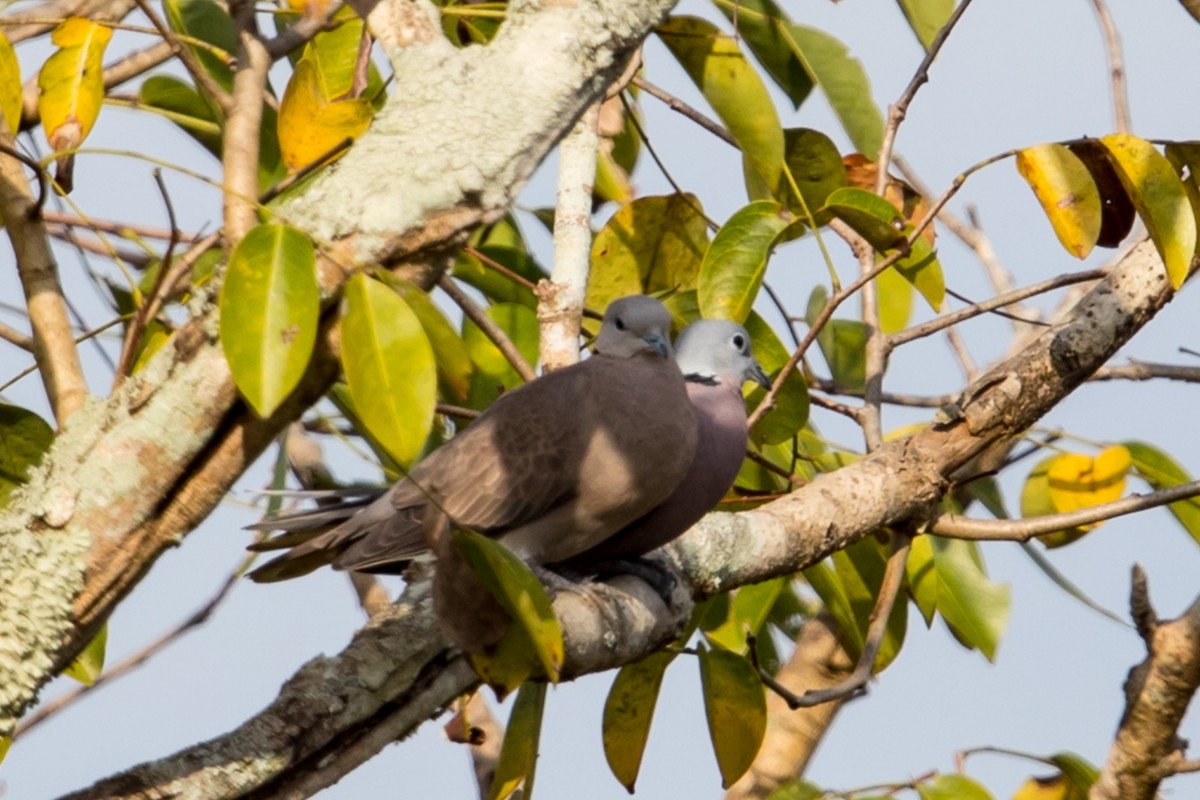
{"type": "Point", "coordinates": [975, 608]}
{"type": "Point", "coordinates": [895, 300]}
{"type": "Point", "coordinates": [1159, 199]}
{"type": "Point", "coordinates": [311, 123]}
{"type": "Point", "coordinates": [952, 787]}
{"type": "Point", "coordinates": [334, 55]}
{"type": "Point", "coordinates": [10, 86]}
{"type": "Point", "coordinates": [871, 217]}
{"type": "Point", "coordinates": [926, 17]}
{"type": "Point", "coordinates": [518, 753]}
{"type": "Point", "coordinates": [843, 81]}
{"type": "Point", "coordinates": [454, 364]}
{"type": "Point", "coordinates": [1185, 158]}
{"type": "Point", "coordinates": [731, 86]}
{"type": "Point", "coordinates": [520, 593]}
{"type": "Point", "coordinates": [269, 309]}
{"type": "Point", "coordinates": [1116, 211]}
{"type": "Point", "coordinates": [628, 712]}
{"type": "Point", "coordinates": [733, 267]}
{"type": "Point", "coordinates": [24, 439]}
{"type": "Point", "coordinates": [922, 269]}
{"type": "Point", "coordinates": [71, 82]}
{"type": "Point", "coordinates": [88, 665]}
{"type": "Point", "coordinates": [1079, 772]}
{"type": "Point", "coordinates": [652, 245]}
{"type": "Point", "coordinates": [389, 367]}
{"type": "Point", "coordinates": [759, 26]}
{"type": "Point", "coordinates": [921, 574]}
{"type": "Point", "coordinates": [816, 166]}
{"type": "Point", "coordinates": [1068, 195]}
{"type": "Point", "coordinates": [1162, 472]}
{"type": "Point", "coordinates": [745, 614]}
{"type": "Point", "coordinates": [736, 708]}
{"type": "Point", "coordinates": [791, 409]}
{"type": "Point", "coordinates": [182, 104]}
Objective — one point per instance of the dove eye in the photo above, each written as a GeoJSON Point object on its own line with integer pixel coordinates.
{"type": "Point", "coordinates": [739, 341]}
{"type": "Point", "coordinates": [620, 323]}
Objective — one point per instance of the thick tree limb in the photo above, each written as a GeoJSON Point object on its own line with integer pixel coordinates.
{"type": "Point", "coordinates": [902, 480]}
{"type": "Point", "coordinates": [1147, 747]}
{"type": "Point", "coordinates": [130, 476]}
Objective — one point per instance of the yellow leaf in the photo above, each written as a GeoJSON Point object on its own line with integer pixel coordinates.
{"type": "Point", "coordinates": [1067, 193]}
{"type": "Point", "coordinates": [1080, 481]}
{"type": "Point", "coordinates": [310, 125]}
{"type": "Point", "coordinates": [1159, 198]}
{"type": "Point", "coordinates": [71, 83]}
{"type": "Point", "coordinates": [10, 85]}
{"type": "Point", "coordinates": [1036, 502]}
{"type": "Point", "coordinates": [1052, 788]}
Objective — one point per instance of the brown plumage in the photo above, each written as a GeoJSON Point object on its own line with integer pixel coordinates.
{"type": "Point", "coordinates": [551, 469]}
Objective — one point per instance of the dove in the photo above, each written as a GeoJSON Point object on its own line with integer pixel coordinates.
{"type": "Point", "coordinates": [551, 469]}
{"type": "Point", "coordinates": [715, 359]}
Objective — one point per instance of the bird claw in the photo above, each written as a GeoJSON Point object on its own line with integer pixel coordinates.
{"type": "Point", "coordinates": [660, 578]}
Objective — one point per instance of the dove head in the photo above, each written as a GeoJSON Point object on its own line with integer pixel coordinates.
{"type": "Point", "coordinates": [718, 349]}
{"type": "Point", "coordinates": [635, 325]}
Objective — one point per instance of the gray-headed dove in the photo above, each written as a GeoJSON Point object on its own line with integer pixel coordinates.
{"type": "Point", "coordinates": [715, 359]}
{"type": "Point", "coordinates": [551, 469]}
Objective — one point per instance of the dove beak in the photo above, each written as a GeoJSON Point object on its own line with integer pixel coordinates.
{"type": "Point", "coordinates": [660, 343]}
{"type": "Point", "coordinates": [756, 374]}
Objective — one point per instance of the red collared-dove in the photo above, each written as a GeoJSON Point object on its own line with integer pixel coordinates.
{"type": "Point", "coordinates": [551, 469]}
{"type": "Point", "coordinates": [715, 359]}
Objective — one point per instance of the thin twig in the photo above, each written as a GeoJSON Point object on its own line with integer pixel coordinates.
{"type": "Point", "coordinates": [953, 526]}
{"type": "Point", "coordinates": [1144, 371]}
{"type": "Point", "coordinates": [898, 110]}
{"type": "Point", "coordinates": [137, 326]}
{"type": "Point", "coordinates": [675, 104]}
{"type": "Point", "coordinates": [180, 267]}
{"type": "Point", "coordinates": [947, 320]}
{"type": "Point", "coordinates": [492, 263]}
{"type": "Point", "coordinates": [15, 337]}
{"type": "Point", "coordinates": [117, 228]}
{"type": "Point", "coordinates": [132, 662]}
{"type": "Point", "coordinates": [774, 468]}
{"type": "Point", "coordinates": [490, 329]}
{"type": "Point", "coordinates": [186, 57]}
{"type": "Point", "coordinates": [291, 180]}
{"type": "Point", "coordinates": [1116, 66]}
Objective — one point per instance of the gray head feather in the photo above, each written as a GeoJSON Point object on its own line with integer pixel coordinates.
{"type": "Point", "coordinates": [720, 349]}
{"type": "Point", "coordinates": [635, 324]}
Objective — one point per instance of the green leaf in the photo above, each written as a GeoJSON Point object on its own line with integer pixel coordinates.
{"type": "Point", "coordinates": [454, 364]}
{"type": "Point", "coordinates": [790, 413]}
{"type": "Point", "coordinates": [758, 26]}
{"type": "Point", "coordinates": [745, 613]}
{"type": "Point", "coordinates": [1079, 772]}
{"type": "Point", "coordinates": [334, 54]}
{"type": "Point", "coordinates": [843, 80]}
{"type": "Point", "coordinates": [10, 86]}
{"type": "Point", "coordinates": [733, 267]}
{"type": "Point", "coordinates": [207, 21]}
{"type": "Point", "coordinates": [817, 168]}
{"type": "Point", "coordinates": [926, 17]}
{"type": "Point", "coordinates": [389, 367]}
{"type": "Point", "coordinates": [895, 300]}
{"type": "Point", "coordinates": [628, 712]}
{"type": "Point", "coordinates": [5, 743]}
{"type": "Point", "coordinates": [731, 86]}
{"type": "Point", "coordinates": [1068, 195]}
{"type": "Point", "coordinates": [24, 439]}
{"type": "Point", "coordinates": [518, 754]}
{"type": "Point", "coordinates": [88, 665]}
{"type": "Point", "coordinates": [1162, 472]}
{"type": "Point", "coordinates": [497, 286]}
{"type": "Point", "coordinates": [1159, 198]}
{"type": "Point", "coordinates": [843, 343]}
{"type": "Point", "coordinates": [952, 787]}
{"type": "Point", "coordinates": [871, 217]}
{"type": "Point", "coordinates": [652, 245]}
{"type": "Point", "coordinates": [520, 593]}
{"type": "Point", "coordinates": [179, 102]}
{"type": "Point", "coordinates": [269, 309]}
{"type": "Point", "coordinates": [1185, 158]}
{"type": "Point", "coordinates": [494, 373]}
{"type": "Point", "coordinates": [736, 708]}
{"type": "Point", "coordinates": [922, 577]}
{"type": "Point", "coordinates": [975, 608]}
{"type": "Point", "coordinates": [796, 790]}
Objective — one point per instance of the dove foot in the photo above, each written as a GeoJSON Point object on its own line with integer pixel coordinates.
{"type": "Point", "coordinates": [660, 578]}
